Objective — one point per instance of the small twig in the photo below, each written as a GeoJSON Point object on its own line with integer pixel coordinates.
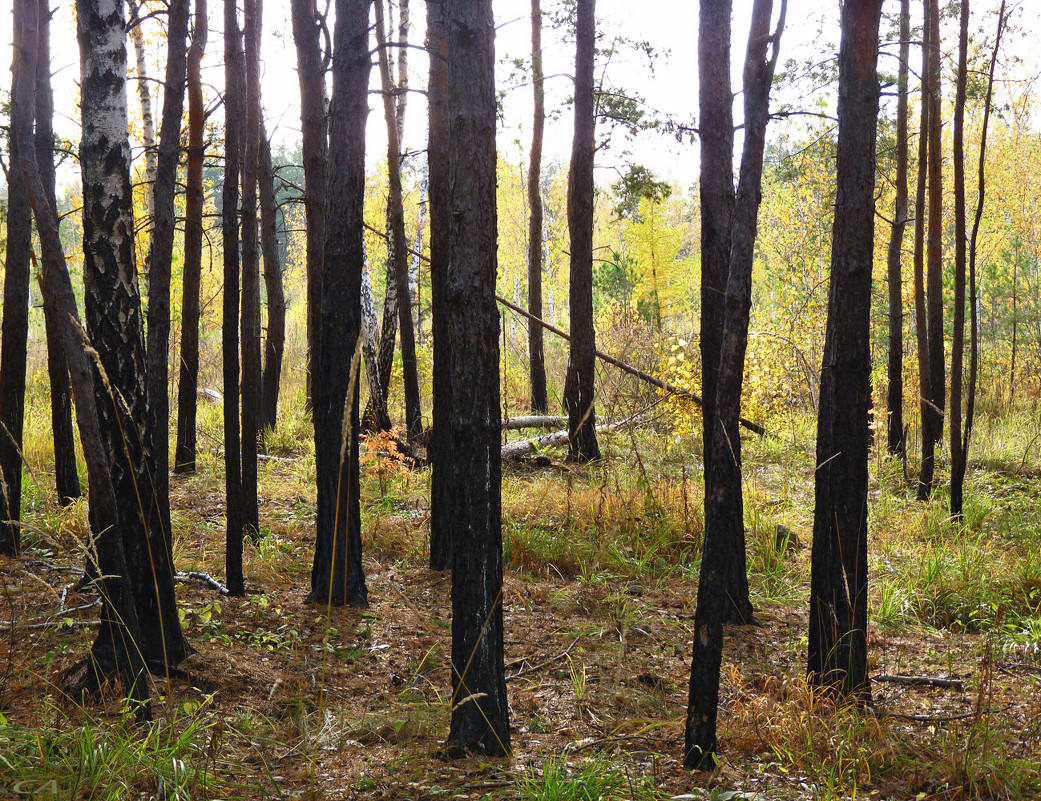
{"type": "Point", "coordinates": [49, 624]}
{"type": "Point", "coordinates": [202, 578]}
{"type": "Point", "coordinates": [618, 738]}
{"type": "Point", "coordinates": [921, 681]}
{"type": "Point", "coordinates": [536, 668]}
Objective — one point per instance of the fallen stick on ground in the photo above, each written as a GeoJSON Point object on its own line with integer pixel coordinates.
{"type": "Point", "coordinates": [202, 578]}
{"type": "Point", "coordinates": [547, 663]}
{"type": "Point", "coordinates": [921, 681]}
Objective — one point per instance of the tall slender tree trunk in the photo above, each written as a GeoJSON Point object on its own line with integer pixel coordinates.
{"type": "Point", "coordinates": [470, 324]}
{"type": "Point", "coordinates": [188, 374]}
{"type": "Point", "coordinates": [377, 417]}
{"type": "Point", "coordinates": [337, 576]}
{"type": "Point", "coordinates": [118, 647]}
{"type": "Point", "coordinates": [370, 328]}
{"type": "Point", "coordinates": [960, 268]}
{"type": "Point", "coordinates": [934, 264]}
{"type": "Point", "coordinates": [161, 268]}
{"type": "Point", "coordinates": [144, 96]}
{"type": "Point", "coordinates": [441, 486]}
{"type": "Point", "coordinates": [397, 244]}
{"type": "Point", "coordinates": [974, 354]}
{"type": "Point", "coordinates": [580, 379]}
{"type": "Point", "coordinates": [716, 188]}
{"type": "Point", "coordinates": [723, 583]}
{"type": "Point", "coordinates": [920, 216]}
{"type": "Point", "coordinates": [250, 321]}
{"type": "Point", "coordinates": [315, 143]}
{"type": "Point", "coordinates": [66, 475]}
{"type": "Point", "coordinates": [895, 396]}
{"type": "Point", "coordinates": [838, 579]}
{"type": "Point", "coordinates": [274, 343]}
{"type": "Point", "coordinates": [234, 108]}
{"type": "Point", "coordinates": [536, 358]}
{"type": "Point", "coordinates": [114, 325]}
{"type": "Point", "coordinates": [15, 325]}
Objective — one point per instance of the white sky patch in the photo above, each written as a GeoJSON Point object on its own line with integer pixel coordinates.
{"type": "Point", "coordinates": [669, 25]}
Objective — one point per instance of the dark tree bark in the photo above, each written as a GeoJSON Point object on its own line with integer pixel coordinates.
{"type": "Point", "coordinates": [717, 199]}
{"type": "Point", "coordinates": [920, 216]}
{"type": "Point", "coordinates": [397, 244]}
{"type": "Point", "coordinates": [839, 580]}
{"type": "Point", "coordinates": [188, 375]}
{"type": "Point", "coordinates": [66, 475]}
{"type": "Point", "coordinates": [117, 649]}
{"type": "Point", "coordinates": [114, 325]}
{"type": "Point", "coordinates": [932, 421]}
{"type": "Point", "coordinates": [160, 269]}
{"type": "Point", "coordinates": [723, 583]}
{"type": "Point", "coordinates": [716, 189]}
{"type": "Point", "coordinates": [536, 358]}
{"type": "Point", "coordinates": [960, 265]}
{"type": "Point", "coordinates": [895, 395]}
{"type": "Point", "coordinates": [250, 320]}
{"type": "Point", "coordinates": [377, 417]}
{"type": "Point", "coordinates": [15, 325]}
{"type": "Point", "coordinates": [970, 404]}
{"type": "Point", "coordinates": [234, 109]}
{"type": "Point", "coordinates": [581, 369]}
{"type": "Point", "coordinates": [337, 577]}
{"type": "Point", "coordinates": [315, 143]}
{"type": "Point", "coordinates": [274, 343]}
{"type": "Point", "coordinates": [441, 487]}
{"type": "Point", "coordinates": [470, 461]}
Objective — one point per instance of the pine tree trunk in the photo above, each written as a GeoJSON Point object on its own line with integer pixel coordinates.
{"type": "Point", "coordinates": [717, 203]}
{"type": "Point", "coordinates": [158, 354]}
{"type": "Point", "coordinates": [960, 267]}
{"type": "Point", "coordinates": [337, 576]}
{"type": "Point", "coordinates": [441, 499]}
{"type": "Point", "coordinates": [315, 143]}
{"type": "Point", "coordinates": [723, 585]}
{"type": "Point", "coordinates": [15, 331]}
{"type": "Point", "coordinates": [67, 480]}
{"type": "Point", "coordinates": [974, 354]}
{"type": "Point", "coordinates": [274, 344]}
{"type": "Point", "coordinates": [921, 321]}
{"type": "Point", "coordinates": [471, 460]}
{"type": "Point", "coordinates": [397, 245]}
{"type": "Point", "coordinates": [839, 580]}
{"type": "Point", "coordinates": [934, 410]}
{"type": "Point", "coordinates": [250, 321]}
{"type": "Point", "coordinates": [581, 370]}
{"type": "Point", "coordinates": [188, 375]}
{"type": "Point", "coordinates": [536, 357]}
{"type": "Point", "coordinates": [234, 110]}
{"type": "Point", "coordinates": [114, 326]}
{"type": "Point", "coordinates": [895, 395]}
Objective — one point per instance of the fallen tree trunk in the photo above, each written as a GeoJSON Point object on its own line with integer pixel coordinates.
{"type": "Point", "coordinates": [536, 421]}
{"type": "Point", "coordinates": [665, 386]}
{"type": "Point", "coordinates": [525, 446]}
{"type": "Point", "coordinates": [628, 368]}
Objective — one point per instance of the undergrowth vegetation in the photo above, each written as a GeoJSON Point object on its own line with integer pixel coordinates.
{"type": "Point", "coordinates": [286, 700]}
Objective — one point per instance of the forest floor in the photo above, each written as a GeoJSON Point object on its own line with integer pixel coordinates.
{"type": "Point", "coordinates": [284, 699]}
